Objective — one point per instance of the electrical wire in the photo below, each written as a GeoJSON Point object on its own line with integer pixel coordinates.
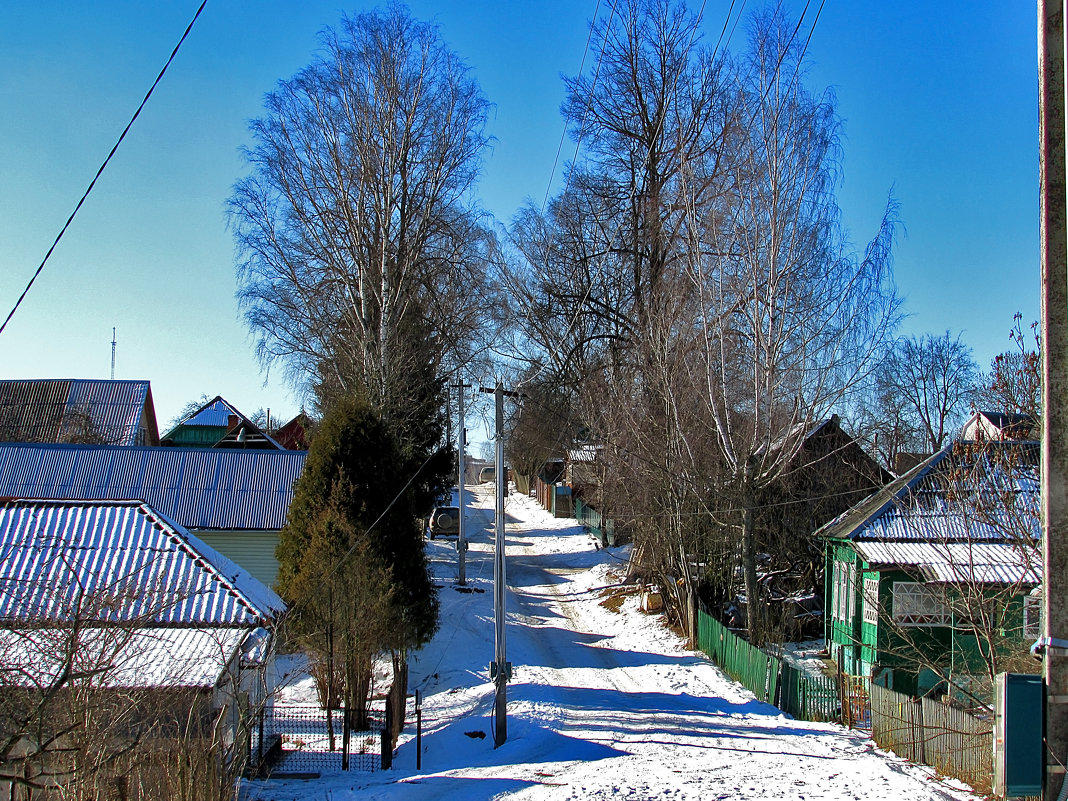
{"type": "Point", "coordinates": [103, 166]}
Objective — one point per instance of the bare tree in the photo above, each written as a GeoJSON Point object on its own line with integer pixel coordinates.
{"type": "Point", "coordinates": [364, 264]}
{"type": "Point", "coordinates": [925, 389]}
{"type": "Point", "coordinates": [694, 284]}
{"type": "Point", "coordinates": [1014, 383]}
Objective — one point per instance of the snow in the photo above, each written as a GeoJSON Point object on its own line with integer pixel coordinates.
{"type": "Point", "coordinates": [605, 701]}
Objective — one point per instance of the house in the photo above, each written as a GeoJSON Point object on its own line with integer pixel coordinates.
{"type": "Point", "coordinates": [999, 427]}
{"type": "Point", "coordinates": [296, 434]}
{"type": "Point", "coordinates": [933, 574]}
{"type": "Point", "coordinates": [218, 424]}
{"type": "Point", "coordinates": [233, 500]}
{"type": "Point", "coordinates": [121, 630]}
{"type": "Point", "coordinates": [78, 411]}
{"type": "Point", "coordinates": [828, 474]}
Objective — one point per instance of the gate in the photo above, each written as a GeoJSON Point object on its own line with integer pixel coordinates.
{"type": "Point", "coordinates": [306, 739]}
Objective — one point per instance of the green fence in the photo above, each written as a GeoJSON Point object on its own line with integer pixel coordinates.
{"type": "Point", "coordinates": [604, 530]}
{"type": "Point", "coordinates": [743, 662]}
{"type": "Point", "coordinates": [802, 695]}
{"type": "Point", "coordinates": [808, 697]}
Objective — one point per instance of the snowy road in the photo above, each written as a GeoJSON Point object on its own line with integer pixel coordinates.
{"type": "Point", "coordinates": [605, 702]}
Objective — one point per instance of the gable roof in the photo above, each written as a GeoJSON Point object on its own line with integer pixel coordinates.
{"type": "Point", "coordinates": [965, 513]}
{"type": "Point", "coordinates": [199, 488]}
{"type": "Point", "coordinates": [999, 426]}
{"type": "Point", "coordinates": [219, 424]}
{"type": "Point", "coordinates": [76, 410]}
{"type": "Point", "coordinates": [119, 562]}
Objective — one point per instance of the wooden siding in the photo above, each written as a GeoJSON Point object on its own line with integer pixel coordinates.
{"type": "Point", "coordinates": [252, 550]}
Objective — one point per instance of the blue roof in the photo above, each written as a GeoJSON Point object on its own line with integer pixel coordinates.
{"type": "Point", "coordinates": [198, 488]}
{"type": "Point", "coordinates": [214, 413]}
{"type": "Point", "coordinates": [963, 493]}
{"type": "Point", "coordinates": [118, 561]}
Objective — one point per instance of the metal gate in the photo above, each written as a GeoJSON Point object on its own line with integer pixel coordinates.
{"type": "Point", "coordinates": [306, 739]}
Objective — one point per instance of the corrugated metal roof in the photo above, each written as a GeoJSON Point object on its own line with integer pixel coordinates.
{"type": "Point", "coordinates": [118, 562]}
{"type": "Point", "coordinates": [122, 657]}
{"type": "Point", "coordinates": [73, 410]}
{"type": "Point", "coordinates": [214, 413]}
{"type": "Point", "coordinates": [955, 563]}
{"type": "Point", "coordinates": [956, 494]}
{"type": "Point", "coordinates": [199, 488]}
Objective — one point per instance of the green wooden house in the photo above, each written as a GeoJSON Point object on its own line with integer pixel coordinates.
{"type": "Point", "coordinates": [218, 424]}
{"type": "Point", "coordinates": [935, 576]}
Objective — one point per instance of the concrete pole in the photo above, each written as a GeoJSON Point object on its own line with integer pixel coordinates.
{"type": "Point", "coordinates": [461, 540]}
{"type": "Point", "coordinates": [500, 581]}
{"type": "Point", "coordinates": [1054, 383]}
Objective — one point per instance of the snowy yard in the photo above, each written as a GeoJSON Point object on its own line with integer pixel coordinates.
{"type": "Point", "coordinates": [605, 702]}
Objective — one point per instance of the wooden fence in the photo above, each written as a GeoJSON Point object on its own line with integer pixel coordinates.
{"type": "Point", "coordinates": [952, 741]}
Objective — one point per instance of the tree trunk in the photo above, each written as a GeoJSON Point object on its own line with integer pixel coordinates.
{"type": "Point", "coordinates": [754, 613]}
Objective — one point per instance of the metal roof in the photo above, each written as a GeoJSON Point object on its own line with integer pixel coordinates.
{"type": "Point", "coordinates": [967, 514]}
{"type": "Point", "coordinates": [118, 562]}
{"type": "Point", "coordinates": [958, 562]}
{"type": "Point", "coordinates": [122, 657]}
{"type": "Point", "coordinates": [75, 410]}
{"type": "Point", "coordinates": [962, 492]}
{"type": "Point", "coordinates": [213, 413]}
{"type": "Point", "coordinates": [199, 488]}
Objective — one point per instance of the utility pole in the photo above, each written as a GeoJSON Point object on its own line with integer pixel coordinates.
{"type": "Point", "coordinates": [500, 669]}
{"type": "Point", "coordinates": [1054, 228]}
{"type": "Point", "coordinates": [461, 540]}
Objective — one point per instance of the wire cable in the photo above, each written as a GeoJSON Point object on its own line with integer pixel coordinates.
{"type": "Point", "coordinates": [99, 172]}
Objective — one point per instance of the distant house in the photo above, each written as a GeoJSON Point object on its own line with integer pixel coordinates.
{"type": "Point", "coordinates": [234, 500]}
{"type": "Point", "coordinates": [999, 427]}
{"type": "Point", "coordinates": [125, 613]}
{"type": "Point", "coordinates": [295, 435]}
{"type": "Point", "coordinates": [828, 474]}
{"type": "Point", "coordinates": [218, 424]}
{"type": "Point", "coordinates": [90, 411]}
{"type": "Point", "coordinates": [916, 570]}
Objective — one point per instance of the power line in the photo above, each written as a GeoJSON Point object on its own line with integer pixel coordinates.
{"type": "Point", "coordinates": [100, 171]}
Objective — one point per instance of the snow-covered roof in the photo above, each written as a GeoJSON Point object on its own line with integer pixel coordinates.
{"type": "Point", "coordinates": [121, 656]}
{"type": "Point", "coordinates": [119, 562]}
{"type": "Point", "coordinates": [959, 562]}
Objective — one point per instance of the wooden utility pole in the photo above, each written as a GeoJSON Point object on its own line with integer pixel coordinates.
{"type": "Point", "coordinates": [1054, 235]}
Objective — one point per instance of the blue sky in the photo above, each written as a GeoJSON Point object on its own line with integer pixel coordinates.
{"type": "Point", "coordinates": [939, 103]}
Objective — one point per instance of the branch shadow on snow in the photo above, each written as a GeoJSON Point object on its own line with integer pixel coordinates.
{"type": "Point", "coordinates": [643, 716]}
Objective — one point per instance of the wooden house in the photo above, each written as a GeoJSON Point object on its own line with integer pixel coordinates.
{"type": "Point", "coordinates": [933, 574]}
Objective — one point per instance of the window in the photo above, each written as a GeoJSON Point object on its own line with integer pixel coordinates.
{"type": "Point", "coordinates": [871, 600]}
{"type": "Point", "coordinates": [918, 604]}
{"type": "Point", "coordinates": [1032, 616]}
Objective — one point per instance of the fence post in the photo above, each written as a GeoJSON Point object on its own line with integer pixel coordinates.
{"type": "Point", "coordinates": [418, 730]}
{"type": "Point", "coordinates": [346, 734]}
{"type": "Point", "coordinates": [387, 735]}
{"type": "Point", "coordinates": [921, 744]}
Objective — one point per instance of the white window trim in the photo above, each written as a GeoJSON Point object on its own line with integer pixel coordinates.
{"type": "Point", "coordinates": [918, 604]}
{"type": "Point", "coordinates": [1032, 616]}
{"type": "Point", "coordinates": [871, 600]}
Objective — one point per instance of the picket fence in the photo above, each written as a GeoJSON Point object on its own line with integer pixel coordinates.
{"type": "Point", "coordinates": [950, 740]}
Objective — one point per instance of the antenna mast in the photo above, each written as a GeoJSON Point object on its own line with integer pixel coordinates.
{"type": "Point", "coordinates": [113, 354]}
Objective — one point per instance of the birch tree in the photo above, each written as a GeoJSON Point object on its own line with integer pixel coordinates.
{"type": "Point", "coordinates": [363, 262]}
